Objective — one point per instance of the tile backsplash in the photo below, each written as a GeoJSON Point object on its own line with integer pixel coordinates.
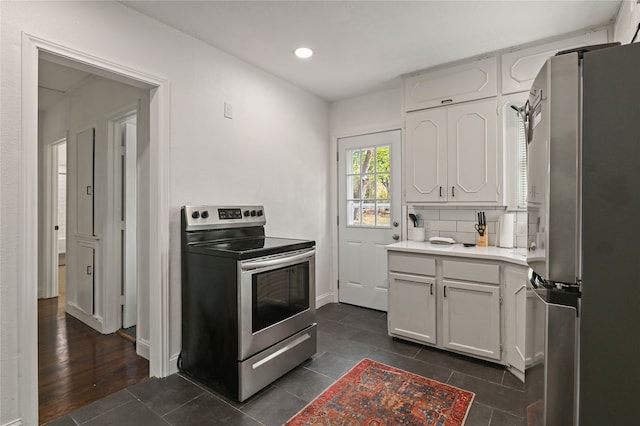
{"type": "Point", "coordinates": [458, 222]}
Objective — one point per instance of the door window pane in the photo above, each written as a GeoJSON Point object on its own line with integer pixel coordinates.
{"type": "Point", "coordinates": [369, 187]}
{"type": "Point", "coordinates": [368, 174]}
{"type": "Point", "coordinates": [354, 212]}
{"type": "Point", "coordinates": [383, 213]}
{"type": "Point", "coordinates": [382, 159]}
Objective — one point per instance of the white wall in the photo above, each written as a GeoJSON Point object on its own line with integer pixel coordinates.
{"type": "Point", "coordinates": [627, 22]}
{"type": "Point", "coordinates": [274, 151]}
{"type": "Point", "coordinates": [366, 113]}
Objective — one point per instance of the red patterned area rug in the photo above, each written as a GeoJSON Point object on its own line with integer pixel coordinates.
{"type": "Point", "coordinates": [375, 394]}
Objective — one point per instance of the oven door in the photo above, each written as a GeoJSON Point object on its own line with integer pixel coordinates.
{"type": "Point", "coordinates": [276, 299]}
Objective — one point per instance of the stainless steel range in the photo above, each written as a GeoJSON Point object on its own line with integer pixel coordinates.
{"type": "Point", "coordinates": [248, 301]}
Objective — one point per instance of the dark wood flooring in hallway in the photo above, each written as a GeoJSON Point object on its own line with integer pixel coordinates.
{"type": "Point", "coordinates": [77, 365]}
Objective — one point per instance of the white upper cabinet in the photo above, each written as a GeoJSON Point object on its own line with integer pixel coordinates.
{"type": "Point", "coordinates": [426, 156]}
{"type": "Point", "coordinates": [473, 152]}
{"type": "Point", "coordinates": [520, 67]}
{"type": "Point", "coordinates": [451, 154]}
{"type": "Point", "coordinates": [460, 83]}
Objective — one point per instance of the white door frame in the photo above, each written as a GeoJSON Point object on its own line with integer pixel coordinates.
{"type": "Point", "coordinates": [114, 298]}
{"type": "Point", "coordinates": [334, 204]}
{"type": "Point", "coordinates": [28, 215]}
{"type": "Point", "coordinates": [111, 271]}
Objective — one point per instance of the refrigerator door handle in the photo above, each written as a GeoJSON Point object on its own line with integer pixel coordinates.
{"type": "Point", "coordinates": [536, 280]}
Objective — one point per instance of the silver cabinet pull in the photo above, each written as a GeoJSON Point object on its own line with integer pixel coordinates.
{"type": "Point", "coordinates": [89, 270]}
{"type": "Point", "coordinates": [395, 224]}
{"type": "Point", "coordinates": [440, 192]}
{"type": "Point", "coordinates": [431, 290]}
{"type": "Point", "coordinates": [89, 190]}
{"type": "Point", "coordinates": [396, 237]}
{"type": "Point", "coordinates": [453, 191]}
{"type": "Point", "coordinates": [446, 101]}
{"type": "Point", "coordinates": [445, 291]}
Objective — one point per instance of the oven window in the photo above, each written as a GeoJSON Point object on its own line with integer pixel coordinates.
{"type": "Point", "coordinates": [279, 294]}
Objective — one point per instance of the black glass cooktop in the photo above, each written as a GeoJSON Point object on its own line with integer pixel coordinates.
{"type": "Point", "coordinates": [247, 248]}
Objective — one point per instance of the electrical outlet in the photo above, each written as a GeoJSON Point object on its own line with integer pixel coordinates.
{"type": "Point", "coordinates": [521, 230]}
{"type": "Point", "coordinates": [228, 110]}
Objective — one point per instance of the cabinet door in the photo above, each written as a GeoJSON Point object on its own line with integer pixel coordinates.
{"type": "Point", "coordinates": [473, 152]}
{"type": "Point", "coordinates": [84, 187]}
{"type": "Point", "coordinates": [412, 307]}
{"type": "Point", "coordinates": [426, 156]}
{"type": "Point", "coordinates": [515, 306]}
{"type": "Point", "coordinates": [84, 278]}
{"type": "Point", "coordinates": [471, 318]}
{"type": "Point", "coordinates": [519, 68]}
{"type": "Point", "coordinates": [460, 83]}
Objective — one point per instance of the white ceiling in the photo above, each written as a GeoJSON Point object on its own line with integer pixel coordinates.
{"type": "Point", "coordinates": [56, 81]}
{"type": "Point", "coordinates": [365, 46]}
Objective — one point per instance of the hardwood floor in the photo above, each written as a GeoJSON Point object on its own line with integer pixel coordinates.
{"type": "Point", "coordinates": [77, 365]}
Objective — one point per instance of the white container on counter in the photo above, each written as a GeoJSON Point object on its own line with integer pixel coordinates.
{"type": "Point", "coordinates": [418, 234]}
{"type": "Point", "coordinates": [506, 224]}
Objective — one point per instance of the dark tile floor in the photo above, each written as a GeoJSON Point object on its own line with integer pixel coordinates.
{"type": "Point", "coordinates": [346, 335]}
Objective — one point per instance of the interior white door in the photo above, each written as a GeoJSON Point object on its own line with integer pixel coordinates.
{"type": "Point", "coordinates": [129, 263]}
{"type": "Point", "coordinates": [369, 215]}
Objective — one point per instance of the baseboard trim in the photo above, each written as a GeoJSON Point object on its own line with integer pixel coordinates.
{"type": "Point", "coordinates": [143, 348]}
{"type": "Point", "coordinates": [173, 364]}
{"type": "Point", "coordinates": [97, 323]}
{"type": "Point", "coordinates": [16, 422]}
{"type": "Point", "coordinates": [324, 299]}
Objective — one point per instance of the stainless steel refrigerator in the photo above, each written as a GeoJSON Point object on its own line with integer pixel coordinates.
{"type": "Point", "coordinates": [583, 168]}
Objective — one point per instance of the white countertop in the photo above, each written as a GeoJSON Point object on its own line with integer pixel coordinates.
{"type": "Point", "coordinates": [517, 256]}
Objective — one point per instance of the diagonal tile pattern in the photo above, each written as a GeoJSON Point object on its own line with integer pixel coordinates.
{"type": "Point", "coordinates": [346, 335]}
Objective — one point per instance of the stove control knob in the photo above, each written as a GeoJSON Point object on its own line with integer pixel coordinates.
{"type": "Point", "coordinates": [260, 213]}
{"type": "Point", "coordinates": [195, 214]}
{"type": "Point", "coordinates": [205, 214]}
{"type": "Point", "coordinates": [253, 212]}
{"type": "Point", "coordinates": [246, 213]}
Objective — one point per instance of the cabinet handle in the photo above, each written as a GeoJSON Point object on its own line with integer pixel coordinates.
{"type": "Point", "coordinates": [440, 192]}
{"type": "Point", "coordinates": [445, 291]}
{"type": "Point", "coordinates": [446, 101]}
{"type": "Point", "coordinates": [89, 190]}
{"type": "Point", "coordinates": [453, 191]}
{"type": "Point", "coordinates": [89, 270]}
{"type": "Point", "coordinates": [431, 291]}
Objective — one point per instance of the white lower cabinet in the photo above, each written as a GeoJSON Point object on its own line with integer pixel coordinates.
{"type": "Point", "coordinates": [471, 318]}
{"type": "Point", "coordinates": [412, 307]}
{"type": "Point", "coordinates": [432, 300]}
{"type": "Point", "coordinates": [516, 298]}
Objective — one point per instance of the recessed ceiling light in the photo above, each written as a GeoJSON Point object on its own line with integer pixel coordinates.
{"type": "Point", "coordinates": [303, 52]}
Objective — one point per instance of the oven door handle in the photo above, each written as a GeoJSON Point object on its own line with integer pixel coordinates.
{"type": "Point", "coordinates": [256, 264]}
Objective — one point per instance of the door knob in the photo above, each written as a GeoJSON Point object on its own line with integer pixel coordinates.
{"type": "Point", "coordinates": [395, 223]}
{"type": "Point", "coordinates": [396, 237]}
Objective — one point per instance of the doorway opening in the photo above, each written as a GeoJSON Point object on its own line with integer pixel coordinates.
{"type": "Point", "coordinates": [90, 243]}
{"type": "Point", "coordinates": [153, 267]}
{"type": "Point", "coordinates": [369, 205]}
